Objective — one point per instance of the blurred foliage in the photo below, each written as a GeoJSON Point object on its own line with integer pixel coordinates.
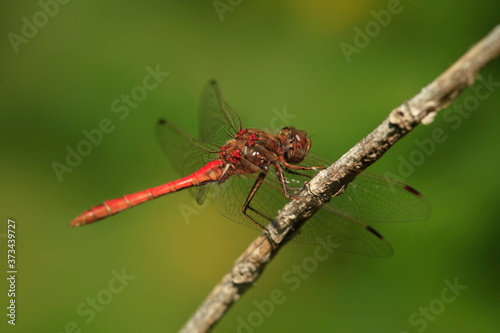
{"type": "Point", "coordinates": [283, 55]}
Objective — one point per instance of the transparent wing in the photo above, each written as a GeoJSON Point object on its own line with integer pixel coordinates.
{"type": "Point", "coordinates": [186, 153]}
{"type": "Point", "coordinates": [371, 197]}
{"type": "Point", "coordinates": [343, 233]}
{"type": "Point", "coordinates": [340, 232]}
{"type": "Point", "coordinates": [218, 121]}
{"type": "Point", "coordinates": [380, 199]}
{"type": "Point", "coordinates": [230, 197]}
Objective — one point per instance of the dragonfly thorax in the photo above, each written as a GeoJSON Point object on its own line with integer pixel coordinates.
{"type": "Point", "coordinates": [250, 151]}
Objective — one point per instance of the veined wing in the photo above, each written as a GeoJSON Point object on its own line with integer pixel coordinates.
{"type": "Point", "coordinates": [218, 121]}
{"type": "Point", "coordinates": [370, 197]}
{"type": "Point", "coordinates": [186, 153]}
{"type": "Point", "coordinates": [343, 233]}
{"type": "Point", "coordinates": [327, 227]}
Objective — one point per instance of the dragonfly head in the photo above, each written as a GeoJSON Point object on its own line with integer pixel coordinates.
{"type": "Point", "coordinates": [296, 144]}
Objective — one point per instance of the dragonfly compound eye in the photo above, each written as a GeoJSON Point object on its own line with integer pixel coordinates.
{"type": "Point", "coordinates": [296, 146]}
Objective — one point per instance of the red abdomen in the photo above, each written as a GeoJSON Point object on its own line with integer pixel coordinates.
{"type": "Point", "coordinates": [210, 173]}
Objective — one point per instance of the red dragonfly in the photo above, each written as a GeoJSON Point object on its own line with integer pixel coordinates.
{"type": "Point", "coordinates": [253, 173]}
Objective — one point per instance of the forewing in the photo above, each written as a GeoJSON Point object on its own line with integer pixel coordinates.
{"type": "Point", "coordinates": [370, 197]}
{"type": "Point", "coordinates": [375, 198]}
{"type": "Point", "coordinates": [186, 153]}
{"type": "Point", "coordinates": [334, 228]}
{"type": "Point", "coordinates": [218, 121]}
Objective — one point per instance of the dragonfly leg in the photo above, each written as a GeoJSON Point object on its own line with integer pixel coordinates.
{"type": "Point", "coordinates": [281, 177]}
{"type": "Point", "coordinates": [296, 173]}
{"type": "Point", "coordinates": [300, 167]}
{"type": "Point", "coordinates": [246, 206]}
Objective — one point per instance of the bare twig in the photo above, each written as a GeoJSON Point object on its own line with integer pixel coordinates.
{"type": "Point", "coordinates": [420, 109]}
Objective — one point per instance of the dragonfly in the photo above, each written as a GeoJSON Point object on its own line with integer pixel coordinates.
{"type": "Point", "coordinates": [250, 174]}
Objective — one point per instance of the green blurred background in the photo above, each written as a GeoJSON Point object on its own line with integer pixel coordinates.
{"type": "Point", "coordinates": [283, 55]}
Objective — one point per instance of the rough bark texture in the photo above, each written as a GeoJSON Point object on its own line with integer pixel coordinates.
{"type": "Point", "coordinates": [422, 108]}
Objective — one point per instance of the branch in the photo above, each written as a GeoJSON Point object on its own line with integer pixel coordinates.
{"type": "Point", "coordinates": [422, 108]}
